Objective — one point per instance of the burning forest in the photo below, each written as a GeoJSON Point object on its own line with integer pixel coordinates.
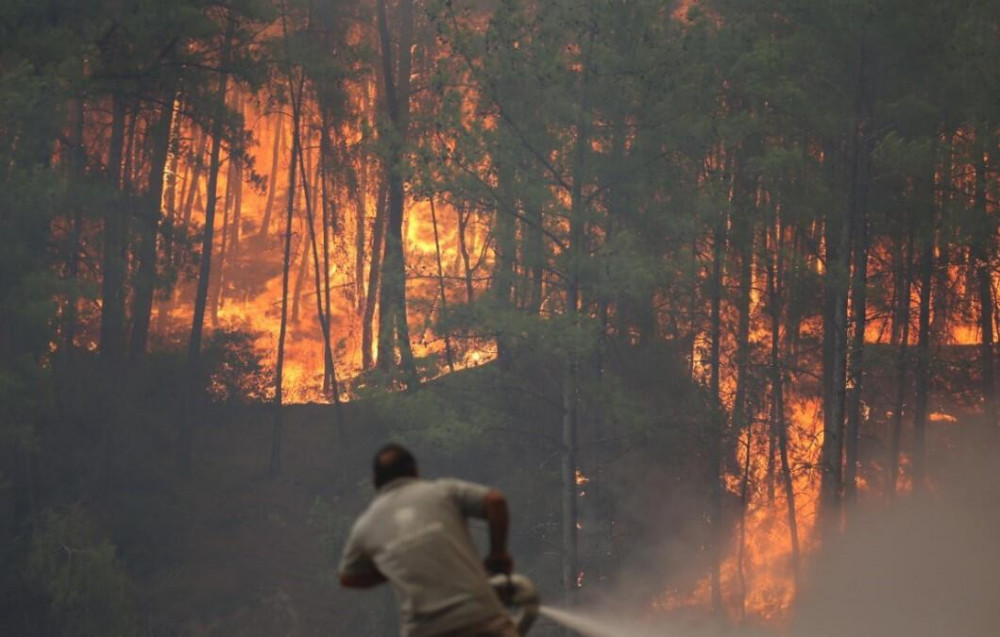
{"type": "Point", "coordinates": [705, 287]}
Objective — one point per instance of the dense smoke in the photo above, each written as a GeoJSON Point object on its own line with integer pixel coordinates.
{"type": "Point", "coordinates": [924, 567]}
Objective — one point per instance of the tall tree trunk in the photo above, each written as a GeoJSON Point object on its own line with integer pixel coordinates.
{"type": "Point", "coordinates": [506, 252]}
{"type": "Point", "coordinates": [576, 247]}
{"type": "Point", "coordinates": [778, 423]}
{"type": "Point", "coordinates": [321, 312]}
{"type": "Point", "coordinates": [743, 198]}
{"type": "Point", "coordinates": [718, 429]}
{"type": "Point", "coordinates": [300, 276]}
{"type": "Point", "coordinates": [357, 189]}
{"type": "Point", "coordinates": [112, 332]}
{"type": "Point", "coordinates": [744, 502]}
{"type": "Point", "coordinates": [170, 192]}
{"type": "Point", "coordinates": [218, 273]}
{"type": "Point", "coordinates": [328, 224]}
{"type": "Point", "coordinates": [205, 266]}
{"type": "Point", "coordinates": [236, 157]}
{"type": "Point", "coordinates": [128, 166]}
{"type": "Point", "coordinates": [904, 276]}
{"type": "Point", "coordinates": [744, 204]}
{"type": "Point", "coordinates": [856, 368]}
{"type": "Point", "coordinates": [375, 269]}
{"type": "Point", "coordinates": [923, 359]}
{"type": "Point", "coordinates": [142, 301]}
{"type": "Point", "coordinates": [277, 428]}
{"type": "Point", "coordinates": [463, 250]}
{"type": "Point", "coordinates": [444, 297]}
{"type": "Point", "coordinates": [983, 247]}
{"type": "Point", "coordinates": [839, 239]}
{"type": "Point", "coordinates": [198, 159]}
{"type": "Point", "coordinates": [265, 224]}
{"type": "Point", "coordinates": [393, 326]}
{"type": "Point", "coordinates": [534, 258]}
{"type": "Point", "coordinates": [78, 157]}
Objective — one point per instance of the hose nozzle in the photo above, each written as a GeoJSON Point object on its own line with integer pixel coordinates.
{"type": "Point", "coordinates": [520, 596]}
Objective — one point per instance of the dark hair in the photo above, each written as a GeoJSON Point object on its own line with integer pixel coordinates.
{"type": "Point", "coordinates": [393, 461]}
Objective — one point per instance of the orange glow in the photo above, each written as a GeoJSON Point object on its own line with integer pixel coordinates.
{"type": "Point", "coordinates": [770, 586]}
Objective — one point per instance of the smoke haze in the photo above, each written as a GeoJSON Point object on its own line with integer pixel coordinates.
{"type": "Point", "coordinates": [926, 566]}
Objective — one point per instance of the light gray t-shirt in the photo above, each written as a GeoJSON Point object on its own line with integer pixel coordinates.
{"type": "Point", "coordinates": [415, 534]}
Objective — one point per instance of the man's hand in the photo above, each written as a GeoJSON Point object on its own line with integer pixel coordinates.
{"type": "Point", "coordinates": [499, 563]}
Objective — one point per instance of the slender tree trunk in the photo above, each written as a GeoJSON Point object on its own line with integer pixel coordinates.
{"type": "Point", "coordinates": [79, 165]}
{"type": "Point", "coordinates": [115, 246]}
{"type": "Point", "coordinates": [375, 269]}
{"type": "Point", "coordinates": [577, 238]}
{"type": "Point", "coordinates": [170, 194]}
{"type": "Point", "coordinates": [718, 430]}
{"type": "Point", "coordinates": [923, 361]}
{"type": "Point", "coordinates": [236, 157]}
{"type": "Point", "coordinates": [328, 224]}
{"type": "Point", "coordinates": [856, 369]}
{"type": "Point", "coordinates": [941, 301]}
{"type": "Point", "coordinates": [534, 258]}
{"type": "Point", "coordinates": [205, 266]}
{"type": "Point", "coordinates": [774, 290]}
{"type": "Point", "coordinates": [357, 186]}
{"type": "Point", "coordinates": [904, 276]}
{"type": "Point", "coordinates": [444, 297]}
{"type": "Point", "coordinates": [128, 166]}
{"type": "Point", "coordinates": [142, 301]}
{"type": "Point", "coordinates": [218, 273]}
{"type": "Point", "coordinates": [265, 224]}
{"type": "Point", "coordinates": [277, 429]}
{"type": "Point", "coordinates": [196, 173]}
{"type": "Point", "coordinates": [463, 250]}
{"type": "Point", "coordinates": [300, 277]}
{"type": "Point", "coordinates": [839, 239]}
{"type": "Point", "coordinates": [744, 502]}
{"type": "Point", "coordinates": [393, 326]}
{"type": "Point", "coordinates": [506, 252]}
{"type": "Point", "coordinates": [743, 198]}
{"type": "Point", "coordinates": [310, 201]}
{"type": "Point", "coordinates": [983, 247]}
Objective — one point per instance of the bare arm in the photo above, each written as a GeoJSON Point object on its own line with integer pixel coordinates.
{"type": "Point", "coordinates": [498, 518]}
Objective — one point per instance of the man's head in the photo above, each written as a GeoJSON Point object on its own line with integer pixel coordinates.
{"type": "Point", "coordinates": [393, 461]}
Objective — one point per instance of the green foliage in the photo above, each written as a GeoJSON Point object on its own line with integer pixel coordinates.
{"type": "Point", "coordinates": [89, 588]}
{"type": "Point", "coordinates": [237, 372]}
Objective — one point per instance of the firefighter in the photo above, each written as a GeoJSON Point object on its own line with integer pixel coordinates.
{"type": "Point", "coordinates": [415, 535]}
